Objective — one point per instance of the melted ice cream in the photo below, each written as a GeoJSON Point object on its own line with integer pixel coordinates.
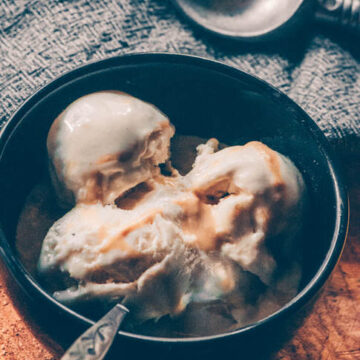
{"type": "Point", "coordinates": [158, 243]}
{"type": "Point", "coordinates": [104, 144]}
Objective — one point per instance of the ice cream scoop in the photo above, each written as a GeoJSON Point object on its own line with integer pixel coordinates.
{"type": "Point", "coordinates": [105, 143]}
{"type": "Point", "coordinates": [195, 238]}
{"type": "Point", "coordinates": [255, 193]}
{"type": "Point", "coordinates": [114, 253]}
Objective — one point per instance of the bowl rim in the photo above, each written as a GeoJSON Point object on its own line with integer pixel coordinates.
{"type": "Point", "coordinates": [30, 286]}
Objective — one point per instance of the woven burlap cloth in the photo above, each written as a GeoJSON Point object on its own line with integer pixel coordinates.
{"type": "Point", "coordinates": [41, 39]}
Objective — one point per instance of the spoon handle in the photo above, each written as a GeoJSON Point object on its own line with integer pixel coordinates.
{"type": "Point", "coordinates": [95, 342]}
{"type": "Point", "coordinates": [341, 12]}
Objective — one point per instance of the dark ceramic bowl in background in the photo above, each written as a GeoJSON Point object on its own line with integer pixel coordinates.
{"type": "Point", "coordinates": [202, 98]}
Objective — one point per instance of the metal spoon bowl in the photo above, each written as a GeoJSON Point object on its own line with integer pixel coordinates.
{"type": "Point", "coordinates": [242, 19]}
{"type": "Point", "coordinates": [253, 20]}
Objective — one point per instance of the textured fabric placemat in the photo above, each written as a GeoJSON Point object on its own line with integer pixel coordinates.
{"type": "Point", "coordinates": [41, 39]}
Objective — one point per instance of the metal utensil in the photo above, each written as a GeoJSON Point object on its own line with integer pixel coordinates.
{"type": "Point", "coordinates": [341, 12]}
{"type": "Point", "coordinates": [259, 19]}
{"type": "Point", "coordinates": [95, 342]}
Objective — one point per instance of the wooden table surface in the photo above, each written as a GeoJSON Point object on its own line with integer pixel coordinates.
{"type": "Point", "coordinates": [330, 332]}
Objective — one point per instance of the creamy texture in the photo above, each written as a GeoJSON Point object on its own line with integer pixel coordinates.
{"type": "Point", "coordinates": [256, 192]}
{"type": "Point", "coordinates": [104, 144]}
{"type": "Point", "coordinates": [165, 244]}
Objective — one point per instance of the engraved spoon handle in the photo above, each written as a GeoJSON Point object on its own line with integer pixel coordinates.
{"type": "Point", "coordinates": [341, 12]}
{"type": "Point", "coordinates": [95, 342]}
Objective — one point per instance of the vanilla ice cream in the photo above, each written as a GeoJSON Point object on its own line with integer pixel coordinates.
{"type": "Point", "coordinates": [256, 193]}
{"type": "Point", "coordinates": [163, 245]}
{"type": "Point", "coordinates": [104, 144]}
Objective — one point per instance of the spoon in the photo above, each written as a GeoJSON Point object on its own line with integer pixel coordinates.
{"type": "Point", "coordinates": [259, 19]}
{"type": "Point", "coordinates": [95, 342]}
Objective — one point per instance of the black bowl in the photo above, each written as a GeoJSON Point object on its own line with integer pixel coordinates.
{"type": "Point", "coordinates": [203, 98]}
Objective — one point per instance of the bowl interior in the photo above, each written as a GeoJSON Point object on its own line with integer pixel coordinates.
{"type": "Point", "coordinates": [201, 98]}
